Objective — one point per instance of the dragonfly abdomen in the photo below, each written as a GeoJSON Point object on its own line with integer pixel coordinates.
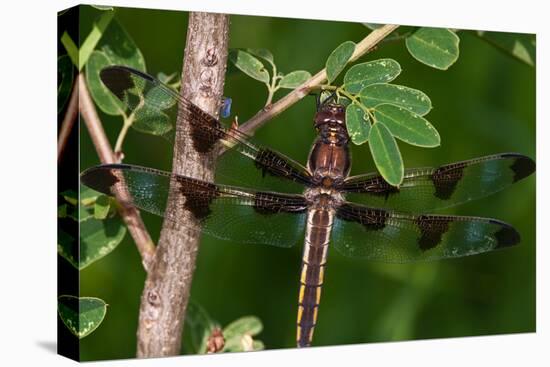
{"type": "Point", "coordinates": [319, 225]}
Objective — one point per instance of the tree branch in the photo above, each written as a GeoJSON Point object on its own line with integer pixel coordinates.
{"type": "Point", "coordinates": [68, 121]}
{"type": "Point", "coordinates": [303, 90]}
{"type": "Point", "coordinates": [166, 293]}
{"type": "Point", "coordinates": [129, 213]}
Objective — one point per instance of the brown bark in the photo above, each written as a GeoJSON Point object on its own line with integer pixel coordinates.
{"type": "Point", "coordinates": [166, 292]}
{"type": "Point", "coordinates": [68, 122]}
{"type": "Point", "coordinates": [128, 212]}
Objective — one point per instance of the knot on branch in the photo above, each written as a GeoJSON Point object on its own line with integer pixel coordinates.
{"type": "Point", "coordinates": [153, 298]}
{"type": "Point", "coordinates": [210, 59]}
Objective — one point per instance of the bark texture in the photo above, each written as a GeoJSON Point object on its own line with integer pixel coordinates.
{"type": "Point", "coordinates": [166, 292]}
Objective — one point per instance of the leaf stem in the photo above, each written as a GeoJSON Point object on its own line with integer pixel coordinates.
{"type": "Point", "coordinates": [122, 134]}
{"type": "Point", "coordinates": [68, 121]}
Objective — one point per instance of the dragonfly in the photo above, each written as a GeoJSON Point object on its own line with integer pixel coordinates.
{"type": "Point", "coordinates": [261, 196]}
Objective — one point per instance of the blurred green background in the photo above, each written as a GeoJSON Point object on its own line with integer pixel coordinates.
{"type": "Point", "coordinates": [483, 104]}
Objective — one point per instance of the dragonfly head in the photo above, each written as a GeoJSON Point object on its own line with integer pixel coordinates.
{"type": "Point", "coordinates": [332, 115]}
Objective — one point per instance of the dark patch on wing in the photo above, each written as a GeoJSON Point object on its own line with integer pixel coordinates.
{"type": "Point", "coordinates": [506, 236]}
{"type": "Point", "coordinates": [446, 178]}
{"type": "Point", "coordinates": [270, 162]}
{"type": "Point", "coordinates": [432, 230]}
{"type": "Point", "coordinates": [523, 166]}
{"type": "Point", "coordinates": [118, 79]}
{"type": "Point", "coordinates": [372, 219]}
{"type": "Point", "coordinates": [101, 178]}
{"type": "Point", "coordinates": [375, 186]}
{"type": "Point", "coordinates": [272, 203]}
{"type": "Point", "coordinates": [198, 195]}
{"type": "Point", "coordinates": [206, 130]}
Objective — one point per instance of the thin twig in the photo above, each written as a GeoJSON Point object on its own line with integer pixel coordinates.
{"type": "Point", "coordinates": [128, 212]}
{"type": "Point", "coordinates": [300, 92]}
{"type": "Point", "coordinates": [68, 122]}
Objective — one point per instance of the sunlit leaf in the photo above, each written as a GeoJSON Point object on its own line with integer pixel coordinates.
{"type": "Point", "coordinates": [81, 315]}
{"type": "Point", "coordinates": [407, 126]}
{"type": "Point", "coordinates": [412, 99]}
{"type": "Point", "coordinates": [70, 47]}
{"type": "Point", "coordinates": [338, 59]}
{"type": "Point", "coordinates": [294, 79]}
{"type": "Point", "coordinates": [435, 47]}
{"type": "Point", "coordinates": [98, 238]}
{"type": "Point", "coordinates": [386, 154]}
{"type": "Point", "coordinates": [249, 65]}
{"type": "Point", "coordinates": [522, 46]}
{"type": "Point", "coordinates": [65, 80]}
{"type": "Point", "coordinates": [101, 207]}
{"type": "Point", "coordinates": [358, 127]}
{"type": "Point", "coordinates": [93, 37]}
{"type": "Point", "coordinates": [367, 73]}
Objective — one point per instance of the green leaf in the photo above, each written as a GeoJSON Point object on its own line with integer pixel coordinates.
{"type": "Point", "coordinates": [70, 196]}
{"type": "Point", "coordinates": [386, 154]}
{"type": "Point", "coordinates": [120, 48]}
{"type": "Point", "coordinates": [71, 48]}
{"type": "Point", "coordinates": [102, 96]}
{"type": "Point", "coordinates": [198, 327]}
{"type": "Point", "coordinates": [294, 79]}
{"type": "Point", "coordinates": [435, 47]}
{"type": "Point", "coordinates": [65, 81]}
{"type": "Point", "coordinates": [358, 127]}
{"type": "Point", "coordinates": [263, 53]}
{"type": "Point", "coordinates": [412, 99]}
{"type": "Point", "coordinates": [101, 207]}
{"type": "Point", "coordinates": [67, 247]}
{"type": "Point", "coordinates": [519, 45]}
{"type": "Point", "coordinates": [62, 211]}
{"type": "Point", "coordinates": [407, 126]}
{"type": "Point", "coordinates": [249, 65]}
{"type": "Point", "coordinates": [371, 72]}
{"type": "Point", "coordinates": [114, 48]}
{"type": "Point", "coordinates": [338, 59]}
{"type": "Point", "coordinates": [238, 335]}
{"type": "Point", "coordinates": [98, 238]}
{"type": "Point", "coordinates": [93, 37]}
{"type": "Point", "coordinates": [81, 315]}
{"type": "Point", "coordinates": [88, 196]}
{"type": "Point", "coordinates": [245, 325]}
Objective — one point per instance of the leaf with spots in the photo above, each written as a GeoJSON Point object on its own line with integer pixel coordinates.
{"type": "Point", "coordinates": [81, 315]}
{"type": "Point", "coordinates": [412, 99]}
{"type": "Point", "coordinates": [407, 126]}
{"type": "Point", "coordinates": [98, 238]}
{"type": "Point", "coordinates": [294, 79]}
{"type": "Point", "coordinates": [386, 154]}
{"type": "Point", "coordinates": [371, 72]}
{"type": "Point", "coordinates": [435, 47]}
{"type": "Point", "coordinates": [338, 60]}
{"type": "Point", "coordinates": [357, 124]}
